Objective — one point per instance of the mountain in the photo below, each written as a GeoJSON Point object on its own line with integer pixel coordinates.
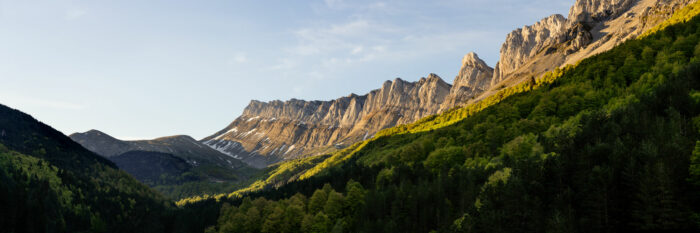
{"type": "Point", "coordinates": [48, 183]}
{"type": "Point", "coordinates": [611, 144]}
{"type": "Point", "coordinates": [474, 77]}
{"type": "Point", "coordinates": [267, 133]}
{"type": "Point", "coordinates": [283, 130]}
{"type": "Point", "coordinates": [182, 146]}
{"type": "Point", "coordinates": [205, 170]}
{"type": "Point", "coordinates": [592, 27]}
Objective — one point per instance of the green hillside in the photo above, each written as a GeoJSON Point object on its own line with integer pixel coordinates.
{"type": "Point", "coordinates": [52, 184]}
{"type": "Point", "coordinates": [606, 146]}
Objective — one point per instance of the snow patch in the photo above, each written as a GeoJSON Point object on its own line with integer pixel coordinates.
{"type": "Point", "coordinates": [224, 147]}
{"type": "Point", "coordinates": [290, 149]}
{"type": "Point", "coordinates": [234, 130]}
{"type": "Point", "coordinates": [247, 133]}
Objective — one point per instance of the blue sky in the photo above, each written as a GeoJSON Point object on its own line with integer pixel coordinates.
{"type": "Point", "coordinates": [143, 69]}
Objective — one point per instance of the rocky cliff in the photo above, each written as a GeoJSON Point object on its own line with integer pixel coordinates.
{"type": "Point", "coordinates": [268, 132]}
{"type": "Point", "coordinates": [524, 43]}
{"type": "Point", "coordinates": [592, 27]}
{"type": "Point", "coordinates": [474, 77]}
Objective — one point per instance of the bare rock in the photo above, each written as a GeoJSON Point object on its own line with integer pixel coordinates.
{"type": "Point", "coordinates": [594, 11]}
{"type": "Point", "coordinates": [268, 132]}
{"type": "Point", "coordinates": [474, 77]}
{"type": "Point", "coordinates": [524, 43]}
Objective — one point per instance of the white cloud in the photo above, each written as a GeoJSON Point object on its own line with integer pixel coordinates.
{"type": "Point", "coordinates": [328, 49]}
{"type": "Point", "coordinates": [351, 37]}
{"type": "Point", "coordinates": [377, 5]}
{"type": "Point", "coordinates": [238, 58]}
{"type": "Point", "coordinates": [75, 13]}
{"type": "Point", "coordinates": [334, 4]}
{"type": "Point", "coordinates": [284, 64]}
{"type": "Point", "coordinates": [356, 50]}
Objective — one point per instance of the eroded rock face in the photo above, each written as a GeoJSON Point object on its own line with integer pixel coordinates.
{"type": "Point", "coordinates": [268, 132]}
{"type": "Point", "coordinates": [663, 9]}
{"type": "Point", "coordinates": [577, 37]}
{"type": "Point", "coordinates": [474, 77]}
{"type": "Point", "coordinates": [594, 11]}
{"type": "Point", "coordinates": [276, 130]}
{"type": "Point", "coordinates": [524, 43]}
{"type": "Point", "coordinates": [593, 26]}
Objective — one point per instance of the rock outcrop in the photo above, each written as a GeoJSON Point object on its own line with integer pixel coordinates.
{"type": "Point", "coordinates": [474, 77]}
{"type": "Point", "coordinates": [592, 27]}
{"type": "Point", "coordinates": [594, 11]}
{"type": "Point", "coordinates": [524, 43]}
{"type": "Point", "coordinates": [268, 132]}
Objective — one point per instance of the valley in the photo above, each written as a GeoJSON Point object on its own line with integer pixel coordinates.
{"type": "Point", "coordinates": [587, 123]}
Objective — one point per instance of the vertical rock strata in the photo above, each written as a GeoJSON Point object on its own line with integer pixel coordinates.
{"type": "Point", "coordinates": [282, 130]}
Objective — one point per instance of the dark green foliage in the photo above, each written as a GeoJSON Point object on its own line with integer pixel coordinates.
{"type": "Point", "coordinates": [154, 168]}
{"type": "Point", "coordinates": [52, 184]}
{"type": "Point", "coordinates": [175, 178]}
{"type": "Point", "coordinates": [326, 211]}
{"type": "Point", "coordinates": [610, 146]}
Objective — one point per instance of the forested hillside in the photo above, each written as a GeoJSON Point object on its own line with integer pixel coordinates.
{"type": "Point", "coordinates": [48, 183]}
{"type": "Point", "coordinates": [52, 184]}
{"type": "Point", "coordinates": [608, 145]}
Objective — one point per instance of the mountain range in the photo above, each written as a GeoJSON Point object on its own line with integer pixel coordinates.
{"type": "Point", "coordinates": [269, 132]}
{"type": "Point", "coordinates": [181, 160]}
{"type": "Point", "coordinates": [589, 123]}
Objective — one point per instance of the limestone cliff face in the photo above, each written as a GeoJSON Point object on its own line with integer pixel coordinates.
{"type": "Point", "coordinates": [526, 42]}
{"type": "Point", "coordinates": [593, 11]}
{"type": "Point", "coordinates": [474, 77]}
{"type": "Point", "coordinates": [268, 132]}
{"type": "Point", "coordinates": [592, 27]}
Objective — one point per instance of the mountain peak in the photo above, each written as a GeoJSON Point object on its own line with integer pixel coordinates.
{"type": "Point", "coordinates": [176, 137]}
{"type": "Point", "coordinates": [398, 80]}
{"type": "Point", "coordinates": [93, 133]}
{"type": "Point", "coordinates": [433, 77]}
{"type": "Point", "coordinates": [472, 59]}
{"type": "Point", "coordinates": [473, 78]}
{"type": "Point", "coordinates": [90, 132]}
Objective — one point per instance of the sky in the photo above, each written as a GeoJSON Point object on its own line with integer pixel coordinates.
{"type": "Point", "coordinates": [138, 69]}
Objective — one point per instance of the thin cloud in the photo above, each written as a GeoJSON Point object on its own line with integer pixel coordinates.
{"type": "Point", "coordinates": [45, 103]}
{"type": "Point", "coordinates": [334, 4]}
{"type": "Point", "coordinates": [238, 59]}
{"type": "Point", "coordinates": [75, 13]}
{"type": "Point", "coordinates": [283, 64]}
